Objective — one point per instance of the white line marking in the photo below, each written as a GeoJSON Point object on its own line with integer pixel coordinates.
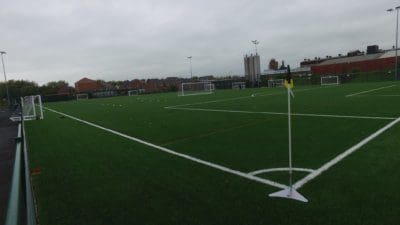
{"type": "Point", "coordinates": [254, 173]}
{"type": "Point", "coordinates": [363, 92]}
{"type": "Point", "coordinates": [387, 95]}
{"type": "Point", "coordinates": [242, 97]}
{"type": "Point", "coordinates": [343, 155]}
{"type": "Point", "coordinates": [281, 113]}
{"type": "Point", "coordinates": [200, 161]}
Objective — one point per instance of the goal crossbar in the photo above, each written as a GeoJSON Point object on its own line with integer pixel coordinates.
{"type": "Point", "coordinates": [275, 83]}
{"type": "Point", "coordinates": [197, 88]}
{"type": "Point", "coordinates": [329, 80]}
{"type": "Point", "coordinates": [82, 96]}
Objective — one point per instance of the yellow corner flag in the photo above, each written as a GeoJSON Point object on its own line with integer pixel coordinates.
{"type": "Point", "coordinates": [289, 84]}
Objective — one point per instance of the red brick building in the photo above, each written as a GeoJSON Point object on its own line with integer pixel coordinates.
{"type": "Point", "coordinates": [380, 61]}
{"type": "Point", "coordinates": [87, 85]}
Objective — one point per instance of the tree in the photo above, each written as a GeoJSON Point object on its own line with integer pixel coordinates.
{"type": "Point", "coordinates": [273, 64]}
{"type": "Point", "coordinates": [17, 89]}
{"type": "Point", "coordinates": [53, 87]}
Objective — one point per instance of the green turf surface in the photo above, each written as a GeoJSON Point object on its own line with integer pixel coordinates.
{"type": "Point", "coordinates": [90, 176]}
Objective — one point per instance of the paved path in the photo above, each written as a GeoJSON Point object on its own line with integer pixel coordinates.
{"type": "Point", "coordinates": [8, 131]}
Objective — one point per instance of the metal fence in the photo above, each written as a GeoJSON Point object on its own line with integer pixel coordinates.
{"type": "Point", "coordinates": [21, 207]}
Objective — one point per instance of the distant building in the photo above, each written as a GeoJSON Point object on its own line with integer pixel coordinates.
{"type": "Point", "coordinates": [87, 85]}
{"type": "Point", "coordinates": [356, 61]}
{"type": "Point", "coordinates": [252, 69]}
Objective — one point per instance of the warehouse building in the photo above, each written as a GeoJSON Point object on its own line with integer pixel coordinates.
{"type": "Point", "coordinates": [373, 60]}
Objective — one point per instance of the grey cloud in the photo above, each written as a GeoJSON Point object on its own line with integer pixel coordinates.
{"type": "Point", "coordinates": [52, 40]}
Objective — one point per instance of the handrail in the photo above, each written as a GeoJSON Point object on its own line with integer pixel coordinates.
{"type": "Point", "coordinates": [12, 216]}
{"type": "Point", "coordinates": [21, 205]}
{"type": "Point", "coordinates": [30, 203]}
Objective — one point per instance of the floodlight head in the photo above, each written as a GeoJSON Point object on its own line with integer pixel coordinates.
{"type": "Point", "coordinates": [390, 10]}
{"type": "Point", "coordinates": [3, 52]}
{"type": "Point", "coordinates": [255, 42]}
{"type": "Point", "coordinates": [189, 57]}
{"type": "Point", "coordinates": [397, 8]}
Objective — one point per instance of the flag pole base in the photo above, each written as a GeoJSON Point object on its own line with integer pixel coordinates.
{"type": "Point", "coordinates": [289, 193]}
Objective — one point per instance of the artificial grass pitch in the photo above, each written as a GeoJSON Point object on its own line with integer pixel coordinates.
{"type": "Point", "coordinates": [90, 176]}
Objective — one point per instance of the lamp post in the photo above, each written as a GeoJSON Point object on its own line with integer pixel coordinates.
{"type": "Point", "coordinates": [191, 70]}
{"type": "Point", "coordinates": [5, 77]}
{"type": "Point", "coordinates": [397, 38]}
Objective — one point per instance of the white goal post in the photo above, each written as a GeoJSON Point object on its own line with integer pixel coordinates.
{"type": "Point", "coordinates": [197, 88]}
{"type": "Point", "coordinates": [82, 96]}
{"type": "Point", "coordinates": [329, 80]}
{"type": "Point", "coordinates": [275, 83]}
{"type": "Point", "coordinates": [136, 92]}
{"type": "Point", "coordinates": [32, 108]}
{"type": "Point", "coordinates": [133, 92]}
{"type": "Point", "coordinates": [238, 85]}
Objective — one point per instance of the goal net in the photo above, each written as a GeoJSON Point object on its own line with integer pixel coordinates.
{"type": "Point", "coordinates": [82, 97]}
{"type": "Point", "coordinates": [133, 92]}
{"type": "Point", "coordinates": [238, 85]}
{"type": "Point", "coordinates": [197, 88]}
{"type": "Point", "coordinates": [275, 83]}
{"type": "Point", "coordinates": [329, 80]}
{"type": "Point", "coordinates": [32, 108]}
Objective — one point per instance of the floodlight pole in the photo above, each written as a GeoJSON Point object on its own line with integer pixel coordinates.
{"type": "Point", "coordinates": [5, 77]}
{"type": "Point", "coordinates": [191, 69]}
{"type": "Point", "coordinates": [255, 42]}
{"type": "Point", "coordinates": [397, 40]}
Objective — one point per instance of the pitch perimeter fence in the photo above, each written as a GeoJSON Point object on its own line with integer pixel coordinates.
{"type": "Point", "coordinates": [21, 204]}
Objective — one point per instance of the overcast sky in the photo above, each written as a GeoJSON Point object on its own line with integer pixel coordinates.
{"type": "Point", "coordinates": [117, 40]}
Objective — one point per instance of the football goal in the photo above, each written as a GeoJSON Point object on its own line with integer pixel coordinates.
{"type": "Point", "coordinates": [136, 92]}
{"type": "Point", "coordinates": [238, 85]}
{"type": "Point", "coordinates": [329, 80]}
{"type": "Point", "coordinates": [133, 92]}
{"type": "Point", "coordinates": [32, 108]}
{"type": "Point", "coordinates": [197, 88]}
{"type": "Point", "coordinates": [82, 96]}
{"type": "Point", "coordinates": [275, 83]}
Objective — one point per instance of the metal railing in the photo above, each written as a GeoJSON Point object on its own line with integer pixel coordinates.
{"type": "Point", "coordinates": [21, 207]}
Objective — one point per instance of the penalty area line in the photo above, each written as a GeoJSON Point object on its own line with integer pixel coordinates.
{"type": "Point", "coordinates": [368, 91]}
{"type": "Point", "coordinates": [181, 155]}
{"type": "Point", "coordinates": [281, 113]}
{"type": "Point", "coordinates": [343, 155]}
{"type": "Point", "coordinates": [257, 94]}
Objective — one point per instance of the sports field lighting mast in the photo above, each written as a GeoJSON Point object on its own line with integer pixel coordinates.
{"type": "Point", "coordinates": [255, 42]}
{"type": "Point", "coordinates": [397, 38]}
{"type": "Point", "coordinates": [5, 77]}
{"type": "Point", "coordinates": [191, 70]}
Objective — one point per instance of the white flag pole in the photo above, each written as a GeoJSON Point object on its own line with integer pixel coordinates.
{"type": "Point", "coordinates": [290, 137]}
{"type": "Point", "coordinates": [289, 192]}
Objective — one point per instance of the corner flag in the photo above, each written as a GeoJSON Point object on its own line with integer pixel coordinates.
{"type": "Point", "coordinates": [289, 84]}
{"type": "Point", "coordinates": [290, 191]}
